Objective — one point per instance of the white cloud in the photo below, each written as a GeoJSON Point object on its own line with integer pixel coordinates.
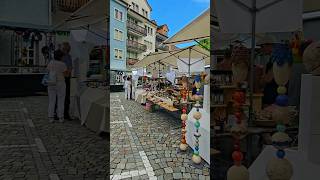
{"type": "Point", "coordinates": [201, 1]}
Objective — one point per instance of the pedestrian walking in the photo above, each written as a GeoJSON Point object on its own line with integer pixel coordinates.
{"type": "Point", "coordinates": [67, 59]}
{"type": "Point", "coordinates": [56, 86]}
{"type": "Point", "coordinates": [127, 88]}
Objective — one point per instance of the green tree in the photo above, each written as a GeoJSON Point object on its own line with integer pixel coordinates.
{"type": "Point", "coordinates": [204, 43]}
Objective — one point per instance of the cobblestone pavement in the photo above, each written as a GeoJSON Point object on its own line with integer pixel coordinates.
{"type": "Point", "coordinates": [145, 145]}
{"type": "Point", "coordinates": [31, 148]}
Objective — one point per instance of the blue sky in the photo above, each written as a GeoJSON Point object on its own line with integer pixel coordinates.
{"type": "Point", "coordinates": [177, 13]}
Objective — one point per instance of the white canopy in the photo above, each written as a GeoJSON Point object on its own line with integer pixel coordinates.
{"type": "Point", "coordinates": [198, 29]}
{"type": "Point", "coordinates": [171, 57]}
{"type": "Point", "coordinates": [93, 14]}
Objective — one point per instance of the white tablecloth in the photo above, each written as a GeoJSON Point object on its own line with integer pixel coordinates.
{"type": "Point", "coordinates": [204, 140]}
{"type": "Point", "coordinates": [302, 169]}
{"type": "Point", "coordinates": [93, 109]}
{"type": "Point", "coordinates": [140, 96]}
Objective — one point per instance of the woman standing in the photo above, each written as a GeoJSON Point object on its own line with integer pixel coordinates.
{"type": "Point", "coordinates": [127, 88]}
{"type": "Point", "coordinates": [57, 86]}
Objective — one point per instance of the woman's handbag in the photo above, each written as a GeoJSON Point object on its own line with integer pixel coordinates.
{"type": "Point", "coordinates": [49, 79]}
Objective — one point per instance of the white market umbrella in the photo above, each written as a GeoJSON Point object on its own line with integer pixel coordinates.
{"type": "Point", "coordinates": [197, 29]}
{"type": "Point", "coordinates": [91, 14]}
{"type": "Point", "coordinates": [254, 17]}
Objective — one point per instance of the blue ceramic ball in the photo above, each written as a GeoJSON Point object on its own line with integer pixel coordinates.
{"type": "Point", "coordinates": [282, 100]}
{"type": "Point", "coordinates": [281, 154]}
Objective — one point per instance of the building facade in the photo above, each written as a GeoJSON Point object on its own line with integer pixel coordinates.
{"type": "Point", "coordinates": [118, 37]}
{"type": "Point", "coordinates": [141, 31]}
{"type": "Point", "coordinates": [161, 36]}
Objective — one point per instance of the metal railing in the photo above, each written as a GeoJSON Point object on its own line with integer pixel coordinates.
{"type": "Point", "coordinates": [135, 46]}
{"type": "Point", "coordinates": [136, 28]}
{"type": "Point", "coordinates": [70, 5]}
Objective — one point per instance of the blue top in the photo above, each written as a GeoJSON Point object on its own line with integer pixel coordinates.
{"type": "Point", "coordinates": [68, 61]}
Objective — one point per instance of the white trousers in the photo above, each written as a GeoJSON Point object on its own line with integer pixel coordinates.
{"type": "Point", "coordinates": [55, 93]}
{"type": "Point", "coordinates": [127, 92]}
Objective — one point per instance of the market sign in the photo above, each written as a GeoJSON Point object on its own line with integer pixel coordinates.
{"type": "Point", "coordinates": [26, 14]}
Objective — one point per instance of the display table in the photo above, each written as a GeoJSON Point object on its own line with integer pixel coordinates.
{"type": "Point", "coordinates": [93, 109]}
{"type": "Point", "coordinates": [141, 96]}
{"type": "Point", "coordinates": [204, 140]}
{"type": "Point", "coordinates": [302, 169]}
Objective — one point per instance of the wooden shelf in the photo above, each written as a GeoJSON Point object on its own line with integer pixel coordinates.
{"type": "Point", "coordinates": [219, 105]}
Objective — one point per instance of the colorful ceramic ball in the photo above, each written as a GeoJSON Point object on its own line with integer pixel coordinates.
{"type": "Point", "coordinates": [238, 115]}
{"type": "Point", "coordinates": [184, 111]}
{"type": "Point", "coordinates": [281, 154]}
{"type": "Point", "coordinates": [196, 148]}
{"type": "Point", "coordinates": [184, 117]}
{"type": "Point", "coordinates": [197, 97]}
{"type": "Point", "coordinates": [280, 115]}
{"type": "Point", "coordinates": [280, 140]}
{"type": "Point", "coordinates": [238, 173]}
{"type": "Point", "coordinates": [183, 146]}
{"type": "Point", "coordinates": [282, 90]}
{"type": "Point", "coordinates": [196, 159]}
{"type": "Point", "coordinates": [197, 115]}
{"type": "Point", "coordinates": [237, 156]}
{"type": "Point", "coordinates": [183, 141]}
{"type": "Point", "coordinates": [282, 100]}
{"type": "Point", "coordinates": [196, 152]}
{"type": "Point", "coordinates": [197, 124]}
{"type": "Point", "coordinates": [281, 128]}
{"type": "Point", "coordinates": [281, 73]}
{"type": "Point", "coordinates": [197, 134]}
{"type": "Point", "coordinates": [239, 131]}
{"type": "Point", "coordinates": [279, 169]}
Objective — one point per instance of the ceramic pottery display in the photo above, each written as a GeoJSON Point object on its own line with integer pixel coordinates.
{"type": "Point", "coordinates": [311, 58]}
{"type": "Point", "coordinates": [197, 116]}
{"type": "Point", "coordinates": [240, 66]}
{"type": "Point", "coordinates": [279, 168]}
{"type": "Point", "coordinates": [238, 131]}
{"type": "Point", "coordinates": [184, 116]}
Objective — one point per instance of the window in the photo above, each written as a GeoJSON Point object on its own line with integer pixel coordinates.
{"type": "Point", "coordinates": [151, 31]}
{"type": "Point", "coordinates": [118, 14]}
{"type": "Point", "coordinates": [118, 35]}
{"type": "Point", "coordinates": [118, 53]}
{"type": "Point", "coordinates": [148, 44]}
{"type": "Point", "coordinates": [137, 8]}
{"type": "Point", "coordinates": [143, 12]}
{"type": "Point", "coordinates": [146, 14]}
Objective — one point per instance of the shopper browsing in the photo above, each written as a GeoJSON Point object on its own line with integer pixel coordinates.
{"type": "Point", "coordinates": [68, 61]}
{"type": "Point", "coordinates": [57, 87]}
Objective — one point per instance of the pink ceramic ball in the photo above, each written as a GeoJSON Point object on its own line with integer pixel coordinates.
{"type": "Point", "coordinates": [183, 147]}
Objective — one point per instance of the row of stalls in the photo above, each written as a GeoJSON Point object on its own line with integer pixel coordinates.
{"type": "Point", "coordinates": [89, 42]}
{"type": "Point", "coordinates": [177, 81]}
{"type": "Point", "coordinates": [27, 48]}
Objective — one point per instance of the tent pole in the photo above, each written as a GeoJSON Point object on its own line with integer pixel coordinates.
{"type": "Point", "coordinates": [253, 44]}
{"type": "Point", "coordinates": [189, 73]}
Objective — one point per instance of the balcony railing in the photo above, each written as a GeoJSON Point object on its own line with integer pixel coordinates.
{"type": "Point", "coordinates": [135, 46]}
{"type": "Point", "coordinates": [136, 28]}
{"type": "Point", "coordinates": [70, 5]}
{"type": "Point", "coordinates": [131, 61]}
{"type": "Point", "coordinates": [162, 47]}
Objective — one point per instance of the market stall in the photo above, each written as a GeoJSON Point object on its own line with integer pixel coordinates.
{"type": "Point", "coordinates": [89, 42]}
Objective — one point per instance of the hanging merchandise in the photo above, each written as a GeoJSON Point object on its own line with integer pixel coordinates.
{"type": "Point", "coordinates": [197, 116]}
{"type": "Point", "coordinates": [184, 117]}
{"type": "Point", "coordinates": [240, 65]}
{"type": "Point", "coordinates": [279, 167]}
{"type": "Point", "coordinates": [240, 56]}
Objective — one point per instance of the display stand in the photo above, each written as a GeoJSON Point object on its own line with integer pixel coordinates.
{"type": "Point", "coordinates": [204, 141]}
{"type": "Point", "coordinates": [309, 125]}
